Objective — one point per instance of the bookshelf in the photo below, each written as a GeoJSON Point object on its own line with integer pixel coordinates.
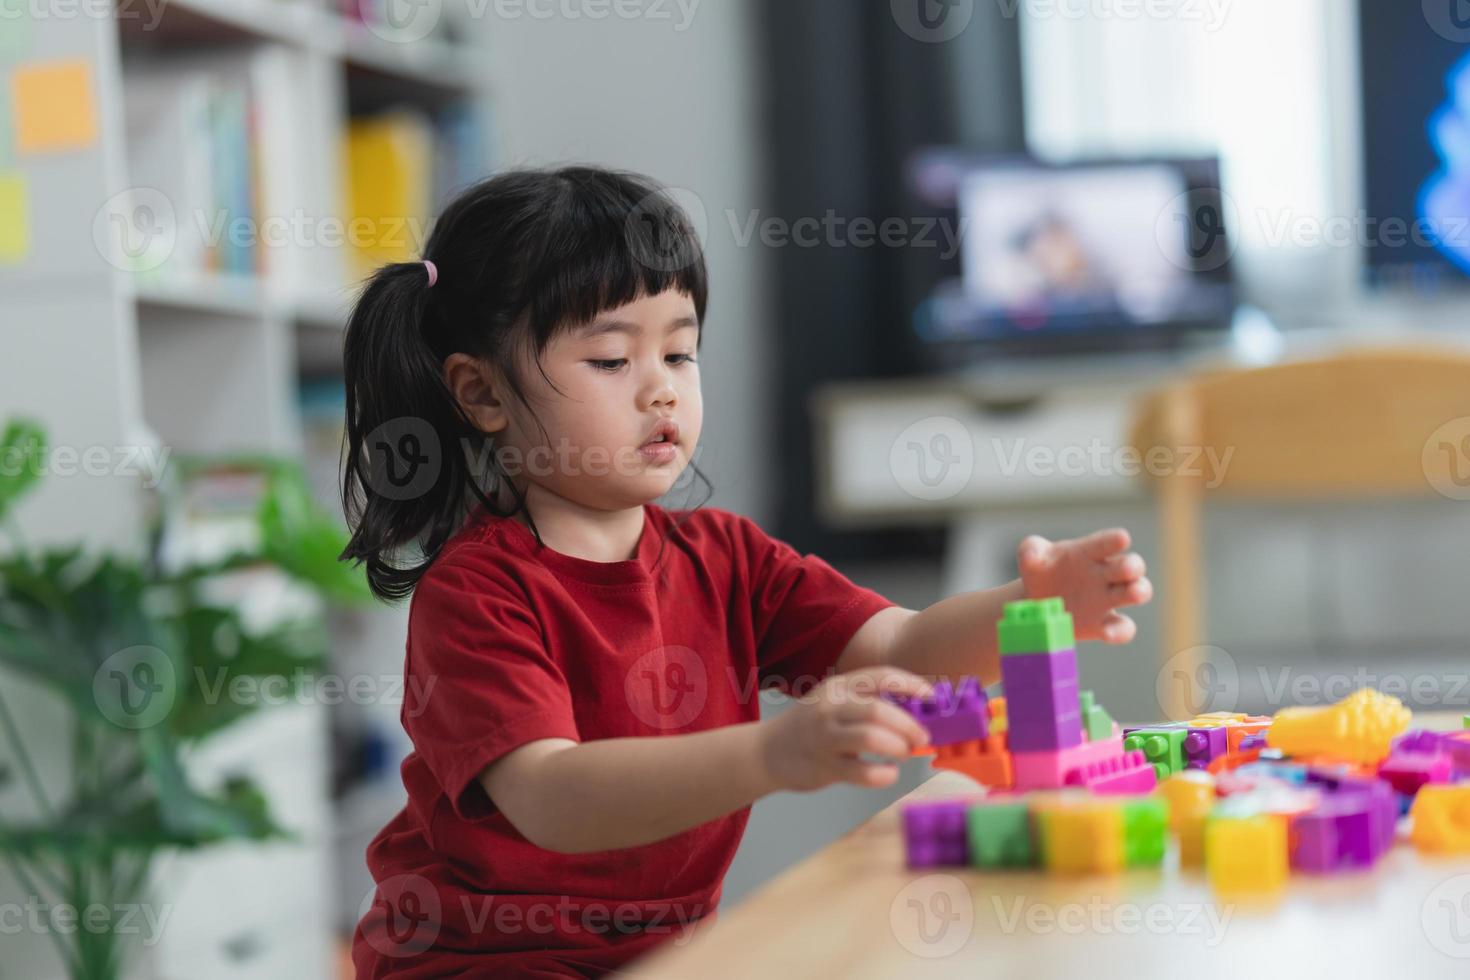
{"type": "Point", "coordinates": [213, 348]}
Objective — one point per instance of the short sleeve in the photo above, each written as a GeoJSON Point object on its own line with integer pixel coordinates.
{"type": "Point", "coordinates": [804, 610]}
{"type": "Point", "coordinates": [480, 679]}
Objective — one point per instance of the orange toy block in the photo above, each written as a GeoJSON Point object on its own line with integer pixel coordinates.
{"type": "Point", "coordinates": [1191, 796]}
{"type": "Point", "coordinates": [999, 724]}
{"type": "Point", "coordinates": [1441, 815]}
{"type": "Point", "coordinates": [984, 760]}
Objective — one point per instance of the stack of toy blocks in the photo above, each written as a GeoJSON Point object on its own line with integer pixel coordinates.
{"type": "Point", "coordinates": [966, 730]}
{"type": "Point", "coordinates": [1048, 750]}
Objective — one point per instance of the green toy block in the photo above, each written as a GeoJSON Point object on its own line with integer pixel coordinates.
{"type": "Point", "coordinates": [1467, 721]}
{"type": "Point", "coordinates": [1035, 626]}
{"type": "Point", "coordinates": [1164, 747]}
{"type": "Point", "coordinates": [1145, 823]}
{"type": "Point", "coordinates": [1096, 722]}
{"type": "Point", "coordinates": [1000, 835]}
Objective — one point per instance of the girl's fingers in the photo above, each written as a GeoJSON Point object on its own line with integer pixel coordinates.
{"type": "Point", "coordinates": [1134, 593]}
{"type": "Point", "coordinates": [1118, 628]}
{"type": "Point", "coordinates": [887, 716]}
{"type": "Point", "coordinates": [874, 739]}
{"type": "Point", "coordinates": [1122, 569]}
{"type": "Point", "coordinates": [1103, 544]}
{"type": "Point", "coordinates": [887, 679]}
{"type": "Point", "coordinates": [1032, 553]}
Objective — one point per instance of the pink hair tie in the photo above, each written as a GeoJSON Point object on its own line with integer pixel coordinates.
{"type": "Point", "coordinates": [433, 272]}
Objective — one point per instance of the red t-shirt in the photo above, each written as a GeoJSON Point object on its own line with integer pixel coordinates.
{"type": "Point", "coordinates": [509, 642]}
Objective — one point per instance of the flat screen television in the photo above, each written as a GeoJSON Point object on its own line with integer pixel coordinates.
{"type": "Point", "coordinates": [1090, 255]}
{"type": "Point", "coordinates": [1415, 97]}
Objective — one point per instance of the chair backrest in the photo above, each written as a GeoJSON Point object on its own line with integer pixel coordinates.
{"type": "Point", "coordinates": [1385, 422]}
{"type": "Point", "coordinates": [1368, 422]}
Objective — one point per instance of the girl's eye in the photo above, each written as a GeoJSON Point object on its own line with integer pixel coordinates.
{"type": "Point", "coordinates": [609, 365]}
{"type": "Point", "coordinates": [680, 359]}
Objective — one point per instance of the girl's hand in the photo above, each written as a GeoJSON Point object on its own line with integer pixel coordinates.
{"type": "Point", "coordinates": [1093, 575]}
{"type": "Point", "coordinates": [817, 741]}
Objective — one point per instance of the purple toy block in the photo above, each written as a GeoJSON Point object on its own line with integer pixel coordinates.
{"type": "Point", "coordinates": [951, 714]}
{"type": "Point", "coordinates": [1203, 745]}
{"type": "Point", "coordinates": [1455, 745]}
{"type": "Point", "coordinates": [1351, 828]}
{"type": "Point", "coordinates": [1407, 771]}
{"type": "Point", "coordinates": [935, 833]}
{"type": "Point", "coordinates": [1043, 706]}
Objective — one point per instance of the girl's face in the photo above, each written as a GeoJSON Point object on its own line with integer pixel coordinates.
{"type": "Point", "coordinates": [626, 378]}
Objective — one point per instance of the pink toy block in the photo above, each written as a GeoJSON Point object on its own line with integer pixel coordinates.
{"type": "Point", "coordinates": [1130, 772]}
{"type": "Point", "coordinates": [1048, 768]}
{"type": "Point", "coordinates": [1406, 772]}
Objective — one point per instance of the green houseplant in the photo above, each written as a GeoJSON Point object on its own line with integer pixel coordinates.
{"type": "Point", "coordinates": [136, 655]}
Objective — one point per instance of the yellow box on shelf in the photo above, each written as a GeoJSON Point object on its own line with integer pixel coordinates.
{"type": "Point", "coordinates": [389, 183]}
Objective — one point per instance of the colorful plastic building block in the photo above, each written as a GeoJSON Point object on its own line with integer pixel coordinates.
{"type": "Point", "coordinates": [1441, 816]}
{"type": "Point", "coordinates": [1096, 722]}
{"type": "Point", "coordinates": [1128, 772]}
{"type": "Point", "coordinates": [1049, 768]}
{"type": "Point", "coordinates": [1043, 707]}
{"type": "Point", "coordinates": [1465, 721]}
{"type": "Point", "coordinates": [1204, 745]}
{"type": "Point", "coordinates": [1359, 728]}
{"type": "Point", "coordinates": [951, 714]}
{"type": "Point", "coordinates": [1191, 797]}
{"type": "Point", "coordinates": [984, 760]}
{"type": "Point", "coordinates": [1001, 835]}
{"type": "Point", "coordinates": [1144, 824]}
{"type": "Point", "coordinates": [1455, 745]}
{"type": "Point", "coordinates": [1162, 747]}
{"type": "Point", "coordinates": [1082, 838]}
{"type": "Point", "coordinates": [1351, 827]}
{"type": "Point", "coordinates": [1246, 854]}
{"type": "Point", "coordinates": [935, 832]}
{"type": "Point", "coordinates": [1035, 626]}
{"type": "Point", "coordinates": [999, 722]}
{"type": "Point", "coordinates": [1408, 772]}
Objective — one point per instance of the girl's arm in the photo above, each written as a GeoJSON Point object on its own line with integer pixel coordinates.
{"type": "Point", "coordinates": [956, 636]}
{"type": "Point", "coordinates": [577, 797]}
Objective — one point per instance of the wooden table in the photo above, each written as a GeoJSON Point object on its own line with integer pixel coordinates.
{"type": "Point", "coordinates": [853, 911]}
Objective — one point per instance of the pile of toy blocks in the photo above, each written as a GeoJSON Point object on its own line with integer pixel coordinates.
{"type": "Point", "coordinates": [1248, 798]}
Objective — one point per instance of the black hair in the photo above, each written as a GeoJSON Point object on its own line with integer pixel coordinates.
{"type": "Point", "coordinates": [520, 256]}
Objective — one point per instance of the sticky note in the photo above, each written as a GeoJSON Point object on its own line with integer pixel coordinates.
{"type": "Point", "coordinates": [54, 106]}
{"type": "Point", "coordinates": [15, 218]}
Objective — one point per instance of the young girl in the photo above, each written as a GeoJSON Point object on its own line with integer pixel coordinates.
{"type": "Point", "coordinates": [584, 665]}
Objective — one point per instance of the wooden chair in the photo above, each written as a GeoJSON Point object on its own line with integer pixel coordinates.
{"type": "Point", "coordinates": [1362, 424]}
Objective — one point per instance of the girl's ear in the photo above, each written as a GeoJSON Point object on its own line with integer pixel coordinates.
{"type": "Point", "coordinates": [474, 387]}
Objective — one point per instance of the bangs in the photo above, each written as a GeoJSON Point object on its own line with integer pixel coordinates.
{"type": "Point", "coordinates": [610, 238]}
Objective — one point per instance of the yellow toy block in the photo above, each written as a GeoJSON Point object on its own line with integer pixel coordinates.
{"type": "Point", "coordinates": [1082, 838]}
{"type": "Point", "coordinates": [1191, 797]}
{"type": "Point", "coordinates": [1359, 728]}
{"type": "Point", "coordinates": [1246, 854]}
{"type": "Point", "coordinates": [1441, 816]}
{"type": "Point", "coordinates": [998, 723]}
{"type": "Point", "coordinates": [1214, 719]}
